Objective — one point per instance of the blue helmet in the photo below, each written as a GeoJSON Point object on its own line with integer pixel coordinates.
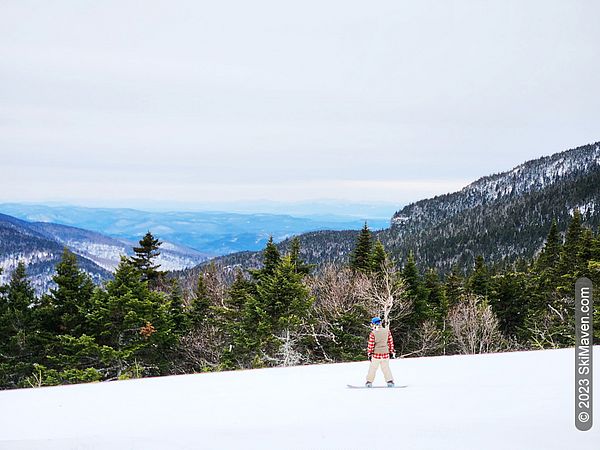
{"type": "Point", "coordinates": [376, 320]}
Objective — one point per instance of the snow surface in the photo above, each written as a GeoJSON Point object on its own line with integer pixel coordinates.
{"type": "Point", "coordinates": [521, 400]}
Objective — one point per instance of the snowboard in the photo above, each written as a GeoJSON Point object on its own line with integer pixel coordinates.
{"type": "Point", "coordinates": [351, 386]}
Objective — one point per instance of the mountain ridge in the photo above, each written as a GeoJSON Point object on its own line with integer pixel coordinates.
{"type": "Point", "coordinates": [547, 170]}
{"type": "Point", "coordinates": [503, 216]}
{"type": "Point", "coordinates": [40, 245]}
{"type": "Point", "coordinates": [19, 242]}
{"type": "Point", "coordinates": [210, 232]}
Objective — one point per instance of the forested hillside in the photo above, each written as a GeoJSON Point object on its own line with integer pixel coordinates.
{"type": "Point", "coordinates": [145, 322]}
{"type": "Point", "coordinates": [490, 268]}
{"type": "Point", "coordinates": [40, 245]}
{"type": "Point", "coordinates": [503, 216]}
{"type": "Point", "coordinates": [20, 241]}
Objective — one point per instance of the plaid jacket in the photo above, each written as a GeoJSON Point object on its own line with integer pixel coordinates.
{"type": "Point", "coordinates": [371, 347]}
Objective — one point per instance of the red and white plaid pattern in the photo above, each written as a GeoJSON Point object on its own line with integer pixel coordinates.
{"type": "Point", "coordinates": [371, 347]}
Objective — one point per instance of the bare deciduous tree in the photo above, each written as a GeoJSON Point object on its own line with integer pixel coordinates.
{"type": "Point", "coordinates": [474, 326]}
{"type": "Point", "coordinates": [384, 292]}
{"type": "Point", "coordinates": [217, 279]}
{"type": "Point", "coordinates": [335, 292]}
{"type": "Point", "coordinates": [202, 348]}
{"type": "Point", "coordinates": [335, 289]}
{"type": "Point", "coordinates": [554, 326]}
{"type": "Point", "coordinates": [216, 282]}
{"type": "Point", "coordinates": [288, 354]}
{"type": "Point", "coordinates": [428, 340]}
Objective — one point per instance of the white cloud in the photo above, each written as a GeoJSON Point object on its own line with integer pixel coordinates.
{"type": "Point", "coordinates": [279, 100]}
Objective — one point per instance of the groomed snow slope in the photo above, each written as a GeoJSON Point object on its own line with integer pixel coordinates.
{"type": "Point", "coordinates": [504, 401]}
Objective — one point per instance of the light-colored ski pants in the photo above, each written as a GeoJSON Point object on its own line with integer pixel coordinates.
{"type": "Point", "coordinates": [384, 363]}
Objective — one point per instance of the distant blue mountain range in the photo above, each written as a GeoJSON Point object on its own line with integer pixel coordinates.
{"type": "Point", "coordinates": [40, 246]}
{"type": "Point", "coordinates": [210, 232]}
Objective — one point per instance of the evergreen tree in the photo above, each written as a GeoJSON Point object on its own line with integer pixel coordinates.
{"type": "Point", "coordinates": [16, 347]}
{"type": "Point", "coordinates": [596, 246]}
{"type": "Point", "coordinates": [284, 296]}
{"type": "Point", "coordinates": [546, 267]}
{"type": "Point", "coordinates": [378, 257]}
{"type": "Point", "coordinates": [270, 258]}
{"type": "Point", "coordinates": [285, 299]}
{"type": "Point", "coordinates": [509, 299]}
{"type": "Point", "coordinates": [64, 308]}
{"type": "Point", "coordinates": [416, 291]}
{"type": "Point", "coordinates": [549, 321]}
{"type": "Point", "coordinates": [549, 257]}
{"type": "Point", "coordinates": [276, 306]}
{"type": "Point", "coordinates": [200, 305]}
{"type": "Point", "coordinates": [177, 313]}
{"type": "Point", "coordinates": [144, 257]}
{"type": "Point", "coordinates": [301, 266]}
{"type": "Point", "coordinates": [585, 253]}
{"type": "Point", "coordinates": [348, 334]}
{"type": "Point", "coordinates": [522, 265]}
{"type": "Point", "coordinates": [360, 259]}
{"type": "Point", "coordinates": [61, 322]}
{"type": "Point", "coordinates": [2, 292]}
{"type": "Point", "coordinates": [454, 286]}
{"type": "Point", "coordinates": [436, 296]}
{"type": "Point", "coordinates": [20, 295]}
{"type": "Point", "coordinates": [594, 262]}
{"type": "Point", "coordinates": [236, 325]}
{"type": "Point", "coordinates": [479, 281]}
{"type": "Point", "coordinates": [437, 300]}
{"type": "Point", "coordinates": [134, 322]}
{"type": "Point", "coordinates": [569, 259]}
{"type": "Point", "coordinates": [237, 294]}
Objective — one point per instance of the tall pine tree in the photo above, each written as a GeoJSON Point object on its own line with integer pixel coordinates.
{"type": "Point", "coordinates": [270, 259]}
{"type": "Point", "coordinates": [415, 290]}
{"type": "Point", "coordinates": [378, 257]}
{"type": "Point", "coordinates": [569, 255]}
{"type": "Point", "coordinates": [297, 261]}
{"type": "Point", "coordinates": [200, 305]}
{"type": "Point", "coordinates": [64, 309]}
{"type": "Point", "coordinates": [549, 257]}
{"type": "Point", "coordinates": [361, 258]}
{"type": "Point", "coordinates": [144, 259]}
{"type": "Point", "coordinates": [135, 323]}
{"type": "Point", "coordinates": [509, 298]}
{"type": "Point", "coordinates": [436, 296]}
{"type": "Point", "coordinates": [479, 281]}
{"type": "Point", "coordinates": [454, 286]}
{"type": "Point", "coordinates": [16, 327]}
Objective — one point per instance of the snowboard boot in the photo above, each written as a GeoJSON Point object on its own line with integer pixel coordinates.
{"type": "Point", "coordinates": [368, 384]}
{"type": "Point", "coordinates": [390, 384]}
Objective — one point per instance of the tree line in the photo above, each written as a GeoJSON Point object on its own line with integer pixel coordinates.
{"type": "Point", "coordinates": [145, 322]}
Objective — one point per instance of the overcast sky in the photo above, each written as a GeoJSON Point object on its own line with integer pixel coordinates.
{"type": "Point", "coordinates": [189, 102]}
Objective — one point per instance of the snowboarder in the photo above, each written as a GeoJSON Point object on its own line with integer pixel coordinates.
{"type": "Point", "coordinates": [379, 351]}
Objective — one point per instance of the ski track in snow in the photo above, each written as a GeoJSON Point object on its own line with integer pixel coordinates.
{"type": "Point", "coordinates": [521, 400]}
